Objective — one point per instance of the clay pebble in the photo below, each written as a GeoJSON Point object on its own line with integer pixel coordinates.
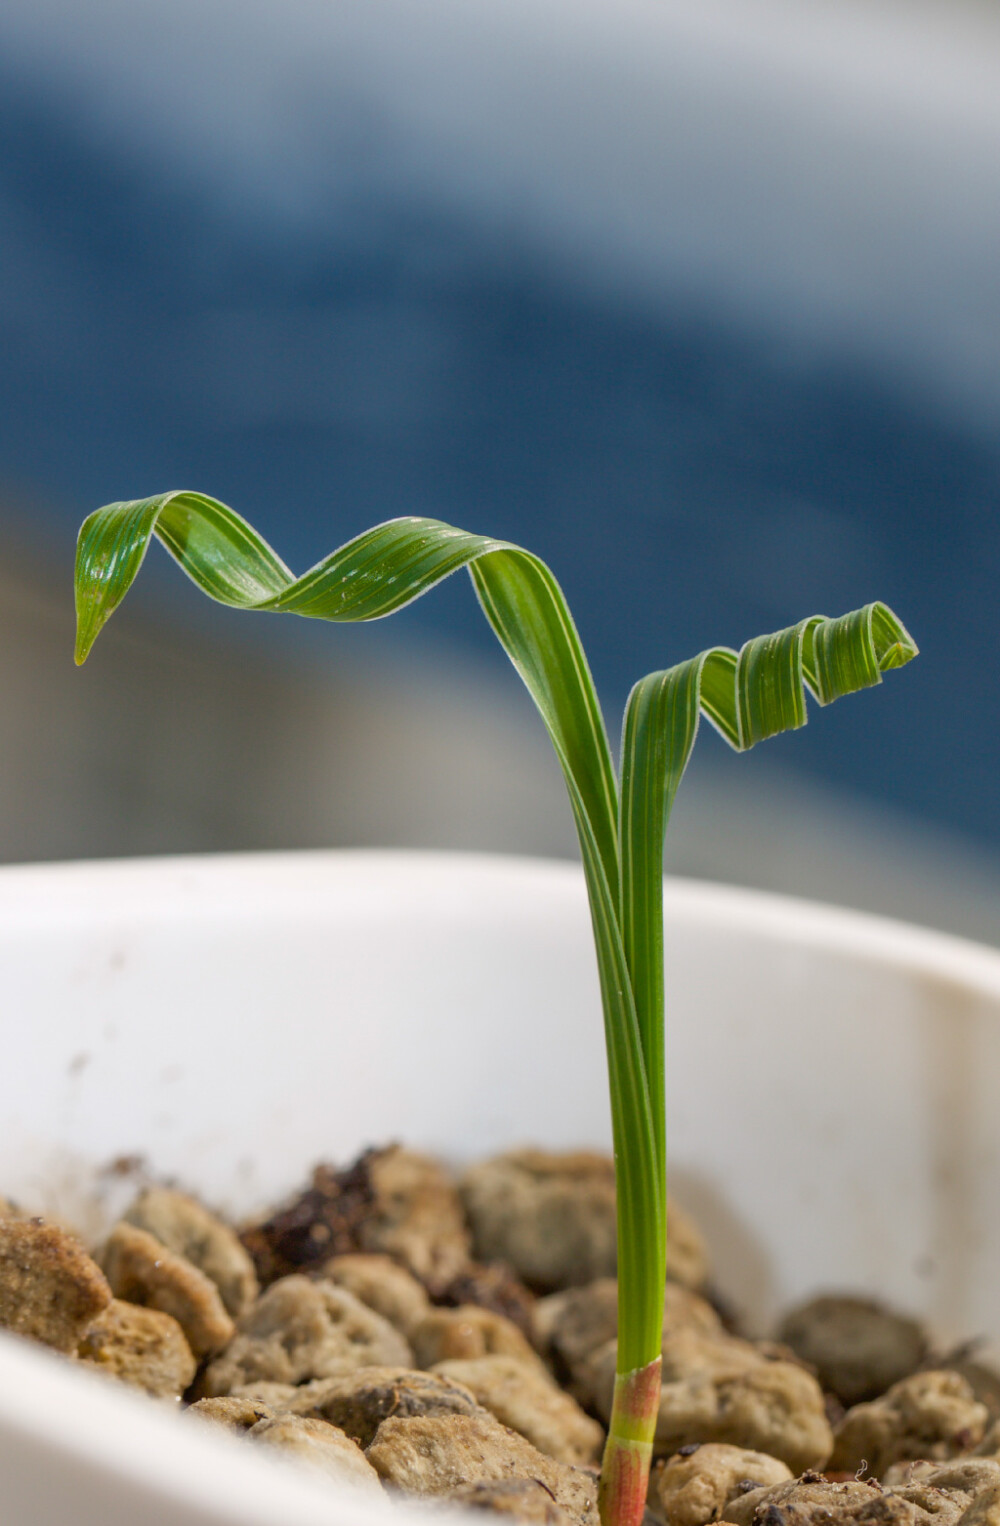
{"type": "Point", "coordinates": [774, 1408]}
{"type": "Point", "coordinates": [461, 1334]}
{"type": "Point", "coordinates": [549, 1216]}
{"type": "Point", "coordinates": [383, 1285]}
{"type": "Point", "coordinates": [970, 1474]}
{"type": "Point", "coordinates": [858, 1347]}
{"type": "Point", "coordinates": [141, 1347]}
{"type": "Point", "coordinates": [438, 1454]}
{"type": "Point", "coordinates": [530, 1403]}
{"type": "Point", "coordinates": [299, 1330]}
{"type": "Point", "coordinates": [931, 1415]}
{"type": "Point", "coordinates": [184, 1226]}
{"type": "Point", "coordinates": [358, 1402]}
{"type": "Point", "coordinates": [811, 1500]}
{"type": "Point", "coordinates": [694, 1487]}
{"type": "Point", "coordinates": [984, 1509]}
{"type": "Point", "coordinates": [319, 1446]}
{"type": "Point", "coordinates": [51, 1290]}
{"type": "Point", "coordinates": [416, 1216]}
{"type": "Point", "coordinates": [141, 1270]}
{"type": "Point", "coordinates": [967, 1491]}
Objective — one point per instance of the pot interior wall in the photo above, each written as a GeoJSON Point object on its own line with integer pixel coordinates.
{"type": "Point", "coordinates": [233, 1020]}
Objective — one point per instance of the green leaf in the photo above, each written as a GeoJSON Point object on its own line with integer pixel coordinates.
{"type": "Point", "coordinates": [747, 696]}
{"type": "Point", "coordinates": [370, 577]}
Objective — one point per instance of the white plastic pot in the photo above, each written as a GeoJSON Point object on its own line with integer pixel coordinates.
{"type": "Point", "coordinates": [831, 1085]}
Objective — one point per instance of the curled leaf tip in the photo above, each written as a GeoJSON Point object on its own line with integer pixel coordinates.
{"type": "Point", "coordinates": [898, 656]}
{"type": "Point", "coordinates": [894, 646]}
{"type": "Point", "coordinates": [899, 653]}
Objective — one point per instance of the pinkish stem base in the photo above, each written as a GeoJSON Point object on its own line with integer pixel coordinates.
{"type": "Point", "coordinates": [629, 1449]}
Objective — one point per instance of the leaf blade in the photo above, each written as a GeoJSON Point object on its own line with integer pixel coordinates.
{"type": "Point", "coordinates": [370, 578]}
{"type": "Point", "coordinates": [748, 696]}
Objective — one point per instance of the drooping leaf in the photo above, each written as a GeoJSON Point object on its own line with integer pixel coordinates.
{"type": "Point", "coordinates": [370, 577]}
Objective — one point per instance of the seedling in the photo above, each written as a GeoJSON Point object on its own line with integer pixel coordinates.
{"type": "Point", "coordinates": [747, 696]}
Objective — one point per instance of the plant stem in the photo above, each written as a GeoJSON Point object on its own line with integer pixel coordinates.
{"type": "Point", "coordinates": [629, 1448]}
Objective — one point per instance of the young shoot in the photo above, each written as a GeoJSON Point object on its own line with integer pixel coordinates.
{"type": "Point", "coordinates": [747, 696]}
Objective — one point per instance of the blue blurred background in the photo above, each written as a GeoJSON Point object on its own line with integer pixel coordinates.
{"type": "Point", "coordinates": [701, 303]}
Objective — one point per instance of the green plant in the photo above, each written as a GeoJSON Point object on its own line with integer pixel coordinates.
{"type": "Point", "coordinates": [747, 696]}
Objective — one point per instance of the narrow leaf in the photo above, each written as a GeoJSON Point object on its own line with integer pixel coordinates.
{"type": "Point", "coordinates": [370, 577]}
{"type": "Point", "coordinates": [747, 696]}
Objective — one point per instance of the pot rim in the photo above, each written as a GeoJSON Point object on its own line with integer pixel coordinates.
{"type": "Point", "coordinates": [79, 893]}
